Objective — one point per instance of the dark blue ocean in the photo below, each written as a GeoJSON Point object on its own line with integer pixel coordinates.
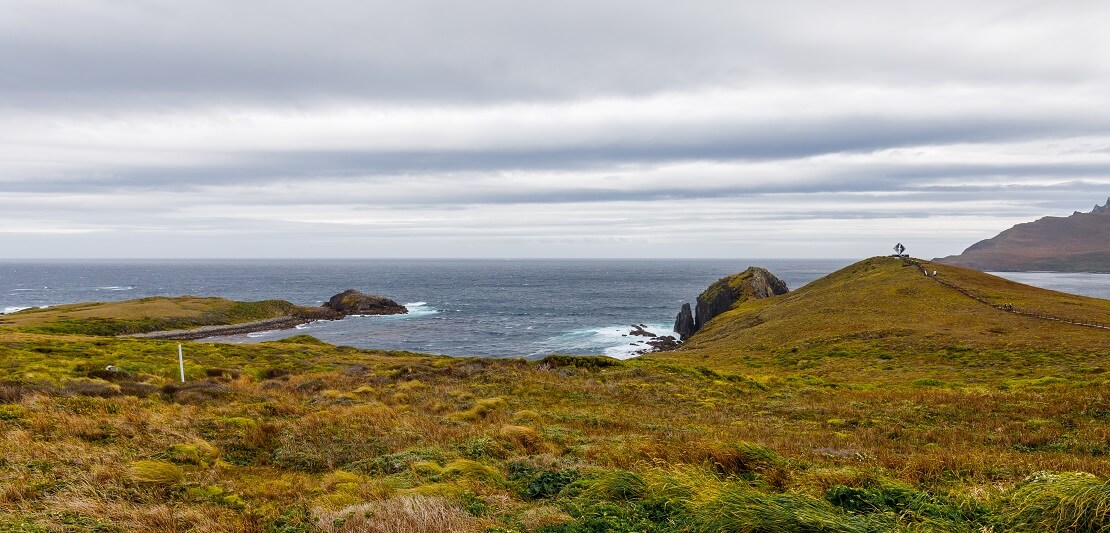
{"type": "Point", "coordinates": [490, 308]}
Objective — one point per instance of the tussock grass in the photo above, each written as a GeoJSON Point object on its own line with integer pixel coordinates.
{"type": "Point", "coordinates": [1067, 501]}
{"type": "Point", "coordinates": [155, 472]}
{"type": "Point", "coordinates": [402, 514]}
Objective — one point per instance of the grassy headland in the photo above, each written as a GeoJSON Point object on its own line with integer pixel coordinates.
{"type": "Point", "coordinates": [875, 399]}
{"type": "Point", "coordinates": [146, 315]}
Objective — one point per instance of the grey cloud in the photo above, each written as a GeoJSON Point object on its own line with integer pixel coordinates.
{"type": "Point", "coordinates": [711, 142]}
{"type": "Point", "coordinates": [159, 53]}
{"type": "Point", "coordinates": [832, 86]}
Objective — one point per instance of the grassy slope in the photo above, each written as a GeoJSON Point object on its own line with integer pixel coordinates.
{"type": "Point", "coordinates": [871, 434]}
{"type": "Point", "coordinates": [146, 315]}
{"type": "Point", "coordinates": [840, 325]}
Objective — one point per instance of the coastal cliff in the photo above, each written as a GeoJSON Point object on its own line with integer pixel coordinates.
{"type": "Point", "coordinates": [1077, 243]}
{"type": "Point", "coordinates": [751, 284]}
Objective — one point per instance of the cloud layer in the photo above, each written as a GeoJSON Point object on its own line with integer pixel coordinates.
{"type": "Point", "coordinates": [520, 129]}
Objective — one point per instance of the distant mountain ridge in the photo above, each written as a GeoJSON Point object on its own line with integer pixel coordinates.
{"type": "Point", "coordinates": [1078, 243]}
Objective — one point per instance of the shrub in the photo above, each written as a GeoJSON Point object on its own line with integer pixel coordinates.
{"type": "Point", "coordinates": [155, 472]}
{"type": "Point", "coordinates": [548, 483]}
{"type": "Point", "coordinates": [591, 362]}
{"type": "Point", "coordinates": [92, 387]}
{"type": "Point", "coordinates": [908, 504]}
{"type": "Point", "coordinates": [482, 448]}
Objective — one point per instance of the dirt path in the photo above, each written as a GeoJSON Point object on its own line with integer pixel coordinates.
{"type": "Point", "coordinates": [1002, 307]}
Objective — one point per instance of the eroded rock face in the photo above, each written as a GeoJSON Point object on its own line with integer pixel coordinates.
{"type": "Point", "coordinates": [684, 322]}
{"type": "Point", "coordinates": [1102, 209]}
{"type": "Point", "coordinates": [352, 302]}
{"type": "Point", "coordinates": [723, 294]}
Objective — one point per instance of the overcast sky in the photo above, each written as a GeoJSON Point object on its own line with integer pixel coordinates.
{"type": "Point", "coordinates": [270, 128]}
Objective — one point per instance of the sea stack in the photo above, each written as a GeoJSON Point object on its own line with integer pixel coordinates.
{"type": "Point", "coordinates": [352, 302]}
{"type": "Point", "coordinates": [684, 322]}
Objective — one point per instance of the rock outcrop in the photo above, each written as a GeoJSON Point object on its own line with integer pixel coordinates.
{"type": "Point", "coordinates": [1078, 243]}
{"type": "Point", "coordinates": [751, 284]}
{"type": "Point", "coordinates": [684, 322]}
{"type": "Point", "coordinates": [1102, 209]}
{"type": "Point", "coordinates": [352, 302]}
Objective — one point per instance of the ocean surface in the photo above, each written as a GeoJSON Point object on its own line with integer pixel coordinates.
{"type": "Point", "coordinates": [510, 308]}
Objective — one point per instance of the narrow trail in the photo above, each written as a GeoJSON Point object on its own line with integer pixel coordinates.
{"type": "Point", "coordinates": [1001, 307]}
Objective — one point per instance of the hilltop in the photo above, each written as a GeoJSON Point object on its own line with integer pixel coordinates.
{"type": "Point", "coordinates": [1077, 243]}
{"type": "Point", "coordinates": [886, 306]}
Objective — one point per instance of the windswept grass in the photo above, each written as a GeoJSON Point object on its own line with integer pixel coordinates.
{"type": "Point", "coordinates": [918, 431]}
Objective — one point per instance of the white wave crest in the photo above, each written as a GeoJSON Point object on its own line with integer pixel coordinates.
{"type": "Point", "coordinates": [13, 310]}
{"type": "Point", "coordinates": [613, 341]}
{"type": "Point", "coordinates": [418, 309]}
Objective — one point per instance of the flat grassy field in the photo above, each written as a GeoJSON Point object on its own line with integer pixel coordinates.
{"type": "Point", "coordinates": [922, 429]}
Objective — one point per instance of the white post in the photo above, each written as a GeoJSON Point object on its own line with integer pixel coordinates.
{"type": "Point", "coordinates": [181, 363]}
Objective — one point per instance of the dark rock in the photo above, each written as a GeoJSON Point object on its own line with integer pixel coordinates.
{"type": "Point", "coordinates": [1102, 209]}
{"type": "Point", "coordinates": [663, 343]}
{"type": "Point", "coordinates": [684, 322]}
{"type": "Point", "coordinates": [639, 330]}
{"type": "Point", "coordinates": [352, 302]}
{"type": "Point", "coordinates": [751, 284]}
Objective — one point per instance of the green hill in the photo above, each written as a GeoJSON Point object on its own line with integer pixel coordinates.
{"type": "Point", "coordinates": [887, 307]}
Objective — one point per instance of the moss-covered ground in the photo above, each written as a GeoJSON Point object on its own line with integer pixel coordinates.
{"type": "Point", "coordinates": [867, 433]}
